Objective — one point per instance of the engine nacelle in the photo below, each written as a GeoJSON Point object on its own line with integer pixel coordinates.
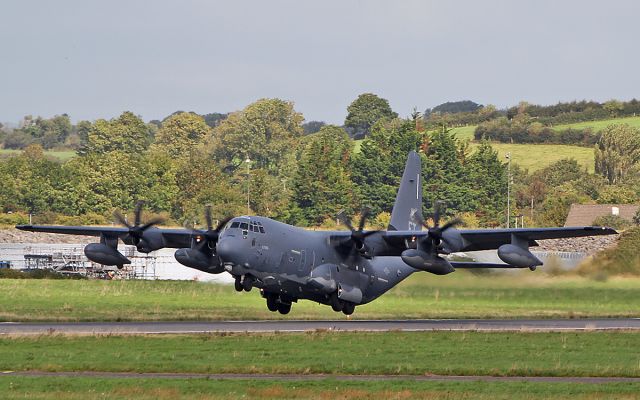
{"type": "Point", "coordinates": [349, 293]}
{"type": "Point", "coordinates": [104, 254]}
{"type": "Point", "coordinates": [323, 277]}
{"type": "Point", "coordinates": [421, 260]}
{"type": "Point", "coordinates": [518, 256]}
{"type": "Point", "coordinates": [151, 241]}
{"type": "Point", "coordinates": [196, 259]}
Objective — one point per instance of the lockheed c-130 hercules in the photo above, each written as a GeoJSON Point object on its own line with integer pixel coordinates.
{"type": "Point", "coordinates": [342, 269]}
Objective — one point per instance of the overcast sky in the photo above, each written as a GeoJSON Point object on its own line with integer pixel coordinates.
{"type": "Point", "coordinates": [94, 59]}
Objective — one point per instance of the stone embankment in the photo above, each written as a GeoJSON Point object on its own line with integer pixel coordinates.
{"type": "Point", "coordinates": [589, 245]}
{"type": "Point", "coordinates": [17, 236]}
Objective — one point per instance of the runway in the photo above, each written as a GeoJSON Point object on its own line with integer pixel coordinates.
{"type": "Point", "coordinates": [183, 327]}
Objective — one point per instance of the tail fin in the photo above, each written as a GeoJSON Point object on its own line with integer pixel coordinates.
{"type": "Point", "coordinates": [409, 198]}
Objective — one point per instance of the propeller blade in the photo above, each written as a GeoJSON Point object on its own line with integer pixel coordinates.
{"type": "Point", "coordinates": [151, 223]}
{"type": "Point", "coordinates": [436, 213]}
{"type": "Point", "coordinates": [222, 223]}
{"type": "Point", "coordinates": [454, 222]}
{"type": "Point", "coordinates": [137, 212]}
{"type": "Point", "coordinates": [363, 217]}
{"type": "Point", "coordinates": [207, 217]}
{"type": "Point", "coordinates": [345, 221]}
{"type": "Point", "coordinates": [120, 218]}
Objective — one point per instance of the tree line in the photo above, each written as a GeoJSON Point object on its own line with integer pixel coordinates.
{"type": "Point", "coordinates": [263, 155]}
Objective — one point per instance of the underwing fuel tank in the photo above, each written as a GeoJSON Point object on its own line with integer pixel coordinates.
{"type": "Point", "coordinates": [516, 255]}
{"type": "Point", "coordinates": [104, 254]}
{"type": "Point", "coordinates": [419, 259]}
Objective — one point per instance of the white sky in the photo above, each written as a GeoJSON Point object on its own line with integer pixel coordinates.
{"type": "Point", "coordinates": [94, 59]}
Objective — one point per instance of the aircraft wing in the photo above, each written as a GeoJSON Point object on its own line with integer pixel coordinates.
{"type": "Point", "coordinates": [173, 238]}
{"type": "Point", "coordinates": [490, 239]}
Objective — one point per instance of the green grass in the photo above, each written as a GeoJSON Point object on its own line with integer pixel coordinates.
{"type": "Point", "coordinates": [537, 156]}
{"type": "Point", "coordinates": [60, 155]}
{"type": "Point", "coordinates": [43, 388]}
{"type": "Point", "coordinates": [459, 295]}
{"type": "Point", "coordinates": [464, 132]}
{"type": "Point", "coordinates": [599, 125]}
{"type": "Point", "coordinates": [353, 353]}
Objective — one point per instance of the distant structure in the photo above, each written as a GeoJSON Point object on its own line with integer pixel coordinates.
{"type": "Point", "coordinates": [585, 214]}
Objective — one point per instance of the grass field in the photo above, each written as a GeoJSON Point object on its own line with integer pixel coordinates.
{"type": "Point", "coordinates": [459, 295]}
{"type": "Point", "coordinates": [60, 155]}
{"type": "Point", "coordinates": [350, 353]}
{"type": "Point", "coordinates": [44, 388]}
{"type": "Point", "coordinates": [599, 125]}
{"type": "Point", "coordinates": [537, 156]}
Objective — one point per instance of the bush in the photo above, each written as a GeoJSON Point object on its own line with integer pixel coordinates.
{"type": "Point", "coordinates": [12, 219]}
{"type": "Point", "coordinates": [7, 273]}
{"type": "Point", "coordinates": [612, 221]}
{"type": "Point", "coordinates": [624, 259]}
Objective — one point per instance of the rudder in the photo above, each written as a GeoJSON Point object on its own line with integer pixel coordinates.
{"type": "Point", "coordinates": [409, 198]}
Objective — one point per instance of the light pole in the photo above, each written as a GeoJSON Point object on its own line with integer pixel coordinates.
{"type": "Point", "coordinates": [508, 157]}
{"type": "Point", "coordinates": [248, 161]}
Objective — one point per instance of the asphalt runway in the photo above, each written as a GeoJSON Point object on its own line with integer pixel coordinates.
{"type": "Point", "coordinates": [319, 377]}
{"type": "Point", "coordinates": [182, 327]}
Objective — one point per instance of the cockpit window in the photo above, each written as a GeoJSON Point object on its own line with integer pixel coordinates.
{"type": "Point", "coordinates": [244, 226]}
{"type": "Point", "coordinates": [261, 229]}
{"type": "Point", "coordinates": [235, 224]}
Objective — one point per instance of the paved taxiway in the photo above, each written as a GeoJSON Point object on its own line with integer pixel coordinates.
{"type": "Point", "coordinates": [529, 325]}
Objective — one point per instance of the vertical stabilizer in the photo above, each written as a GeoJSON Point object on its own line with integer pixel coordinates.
{"type": "Point", "coordinates": [409, 198]}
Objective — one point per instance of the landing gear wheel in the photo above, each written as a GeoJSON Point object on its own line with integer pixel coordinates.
{"type": "Point", "coordinates": [336, 303]}
{"type": "Point", "coordinates": [348, 308]}
{"type": "Point", "coordinates": [247, 283]}
{"type": "Point", "coordinates": [238, 285]}
{"type": "Point", "coordinates": [284, 308]}
{"type": "Point", "coordinates": [272, 302]}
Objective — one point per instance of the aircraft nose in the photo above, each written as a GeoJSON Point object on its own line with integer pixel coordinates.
{"type": "Point", "coordinates": [226, 250]}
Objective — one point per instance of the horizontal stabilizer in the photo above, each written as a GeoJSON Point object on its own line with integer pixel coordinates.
{"type": "Point", "coordinates": [471, 265]}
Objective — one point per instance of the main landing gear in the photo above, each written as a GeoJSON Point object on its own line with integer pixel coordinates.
{"type": "Point", "coordinates": [244, 283]}
{"type": "Point", "coordinates": [277, 303]}
{"type": "Point", "coordinates": [339, 305]}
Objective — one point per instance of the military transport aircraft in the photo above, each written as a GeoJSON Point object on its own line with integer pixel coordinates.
{"type": "Point", "coordinates": [342, 269]}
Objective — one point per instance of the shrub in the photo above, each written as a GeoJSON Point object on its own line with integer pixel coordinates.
{"type": "Point", "coordinates": [620, 260]}
{"type": "Point", "coordinates": [612, 221]}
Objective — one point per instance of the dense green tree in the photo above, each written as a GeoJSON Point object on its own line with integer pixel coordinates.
{"type": "Point", "coordinates": [181, 133]}
{"type": "Point", "coordinates": [489, 176]}
{"type": "Point", "coordinates": [617, 153]}
{"type": "Point", "coordinates": [322, 185]}
{"type": "Point", "coordinates": [377, 169]}
{"type": "Point", "coordinates": [267, 132]}
{"type": "Point", "coordinates": [365, 111]}
{"type": "Point", "coordinates": [127, 134]}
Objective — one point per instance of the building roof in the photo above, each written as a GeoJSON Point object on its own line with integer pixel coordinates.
{"type": "Point", "coordinates": [585, 214]}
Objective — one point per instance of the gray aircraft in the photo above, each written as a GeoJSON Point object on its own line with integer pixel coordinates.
{"type": "Point", "coordinates": [342, 269]}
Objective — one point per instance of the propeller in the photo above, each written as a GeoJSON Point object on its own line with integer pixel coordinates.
{"type": "Point", "coordinates": [136, 231]}
{"type": "Point", "coordinates": [436, 232]}
{"type": "Point", "coordinates": [209, 238]}
{"type": "Point", "coordinates": [358, 236]}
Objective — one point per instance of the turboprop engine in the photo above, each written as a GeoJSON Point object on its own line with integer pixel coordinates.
{"type": "Point", "coordinates": [202, 253]}
{"type": "Point", "coordinates": [424, 261]}
{"type": "Point", "coordinates": [197, 259]}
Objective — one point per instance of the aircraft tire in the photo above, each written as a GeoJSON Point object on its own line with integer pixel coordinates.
{"type": "Point", "coordinates": [238, 285]}
{"type": "Point", "coordinates": [348, 308]}
{"type": "Point", "coordinates": [284, 308]}
{"type": "Point", "coordinates": [336, 303]}
{"type": "Point", "coordinates": [247, 283]}
{"type": "Point", "coordinates": [272, 303]}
